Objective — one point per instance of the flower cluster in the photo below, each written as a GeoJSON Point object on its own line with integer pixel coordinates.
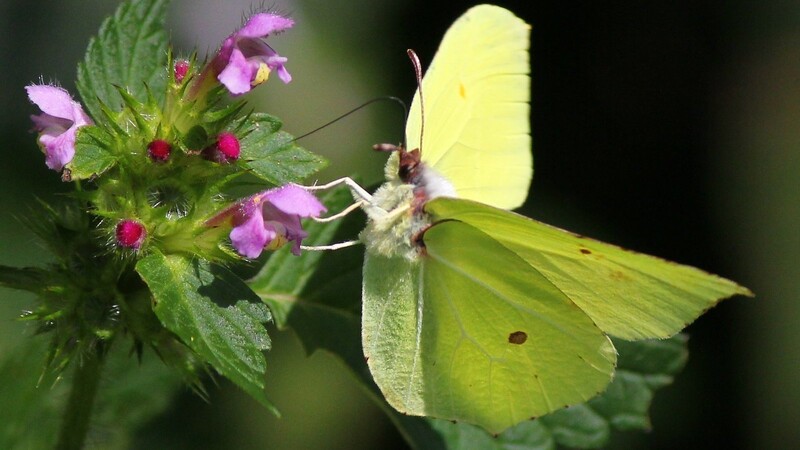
{"type": "Point", "coordinates": [176, 139]}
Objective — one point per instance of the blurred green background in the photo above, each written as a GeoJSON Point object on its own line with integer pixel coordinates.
{"type": "Point", "coordinates": [669, 128]}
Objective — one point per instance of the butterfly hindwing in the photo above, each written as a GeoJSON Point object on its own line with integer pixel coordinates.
{"type": "Point", "coordinates": [470, 332]}
{"type": "Point", "coordinates": [627, 294]}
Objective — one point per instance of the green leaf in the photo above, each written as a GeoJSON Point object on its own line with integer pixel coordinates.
{"type": "Point", "coordinates": [130, 51]}
{"type": "Point", "coordinates": [215, 314]}
{"type": "Point", "coordinates": [272, 155]}
{"type": "Point", "coordinates": [93, 154]}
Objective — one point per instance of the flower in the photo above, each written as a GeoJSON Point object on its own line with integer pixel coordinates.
{"type": "Point", "coordinates": [57, 125]}
{"type": "Point", "coordinates": [225, 150]}
{"type": "Point", "coordinates": [244, 60]}
{"type": "Point", "coordinates": [270, 219]}
{"type": "Point", "coordinates": [130, 234]}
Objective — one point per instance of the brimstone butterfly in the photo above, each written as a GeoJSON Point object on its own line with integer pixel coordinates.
{"type": "Point", "coordinates": [471, 312]}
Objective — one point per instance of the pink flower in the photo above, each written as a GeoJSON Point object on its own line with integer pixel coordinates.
{"type": "Point", "coordinates": [57, 125]}
{"type": "Point", "coordinates": [245, 60]}
{"type": "Point", "coordinates": [270, 219]}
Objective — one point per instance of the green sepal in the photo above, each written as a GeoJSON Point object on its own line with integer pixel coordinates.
{"type": "Point", "coordinates": [195, 139]}
{"type": "Point", "coordinates": [273, 155]}
{"type": "Point", "coordinates": [215, 314]}
{"type": "Point", "coordinates": [216, 119]}
{"type": "Point", "coordinates": [134, 106]}
{"type": "Point", "coordinates": [129, 50]}
{"type": "Point", "coordinates": [93, 153]}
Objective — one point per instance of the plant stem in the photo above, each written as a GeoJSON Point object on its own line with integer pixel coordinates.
{"type": "Point", "coordinates": [81, 399]}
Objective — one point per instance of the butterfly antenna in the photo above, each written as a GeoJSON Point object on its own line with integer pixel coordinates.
{"type": "Point", "coordinates": [374, 100]}
{"type": "Point", "coordinates": [418, 73]}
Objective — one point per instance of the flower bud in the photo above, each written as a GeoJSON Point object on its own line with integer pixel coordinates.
{"type": "Point", "coordinates": [159, 150]}
{"type": "Point", "coordinates": [225, 150]}
{"type": "Point", "coordinates": [130, 234]}
{"type": "Point", "coordinates": [181, 69]}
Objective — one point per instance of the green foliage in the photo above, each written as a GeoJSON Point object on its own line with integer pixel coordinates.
{"type": "Point", "coordinates": [214, 313]}
{"type": "Point", "coordinates": [272, 155]}
{"type": "Point", "coordinates": [95, 155]}
{"type": "Point", "coordinates": [130, 50]}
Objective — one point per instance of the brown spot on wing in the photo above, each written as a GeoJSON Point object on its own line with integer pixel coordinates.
{"type": "Point", "coordinates": [517, 337]}
{"type": "Point", "coordinates": [585, 251]}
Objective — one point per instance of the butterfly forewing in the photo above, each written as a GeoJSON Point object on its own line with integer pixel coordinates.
{"type": "Point", "coordinates": [627, 294]}
{"type": "Point", "coordinates": [477, 89]}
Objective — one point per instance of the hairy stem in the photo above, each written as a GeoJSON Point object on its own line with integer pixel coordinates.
{"type": "Point", "coordinates": [81, 399]}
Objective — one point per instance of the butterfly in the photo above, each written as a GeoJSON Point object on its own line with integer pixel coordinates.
{"type": "Point", "coordinates": [471, 312]}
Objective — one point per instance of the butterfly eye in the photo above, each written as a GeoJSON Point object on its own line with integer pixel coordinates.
{"type": "Point", "coordinates": [409, 161]}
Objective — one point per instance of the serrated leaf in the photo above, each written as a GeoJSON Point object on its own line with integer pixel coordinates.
{"type": "Point", "coordinates": [272, 155]}
{"type": "Point", "coordinates": [93, 154]}
{"type": "Point", "coordinates": [130, 51]}
{"type": "Point", "coordinates": [214, 313]}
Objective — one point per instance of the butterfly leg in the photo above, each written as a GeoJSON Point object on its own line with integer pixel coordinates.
{"type": "Point", "coordinates": [337, 246]}
{"type": "Point", "coordinates": [340, 214]}
{"type": "Point", "coordinates": [357, 190]}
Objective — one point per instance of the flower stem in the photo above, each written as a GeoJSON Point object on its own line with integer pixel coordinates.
{"type": "Point", "coordinates": [81, 399]}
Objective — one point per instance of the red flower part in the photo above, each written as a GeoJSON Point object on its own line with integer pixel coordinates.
{"type": "Point", "coordinates": [130, 234]}
{"type": "Point", "coordinates": [159, 150]}
{"type": "Point", "coordinates": [228, 145]}
{"type": "Point", "coordinates": [181, 69]}
{"type": "Point", "coordinates": [225, 150]}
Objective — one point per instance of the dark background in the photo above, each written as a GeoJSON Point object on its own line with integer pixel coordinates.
{"type": "Point", "coordinates": [669, 128]}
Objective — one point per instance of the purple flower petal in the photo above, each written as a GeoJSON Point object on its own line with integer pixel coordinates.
{"type": "Point", "coordinates": [237, 74]}
{"type": "Point", "coordinates": [263, 24]}
{"type": "Point", "coordinates": [293, 199]}
{"type": "Point", "coordinates": [269, 219]}
{"type": "Point", "coordinates": [58, 124]}
{"type": "Point", "coordinates": [250, 237]}
{"type": "Point", "coordinates": [243, 58]}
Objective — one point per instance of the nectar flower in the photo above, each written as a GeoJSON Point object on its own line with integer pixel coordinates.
{"type": "Point", "coordinates": [159, 150]}
{"type": "Point", "coordinates": [225, 150]}
{"type": "Point", "coordinates": [130, 234]}
{"type": "Point", "coordinates": [57, 125]}
{"type": "Point", "coordinates": [270, 219]}
{"type": "Point", "coordinates": [245, 60]}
